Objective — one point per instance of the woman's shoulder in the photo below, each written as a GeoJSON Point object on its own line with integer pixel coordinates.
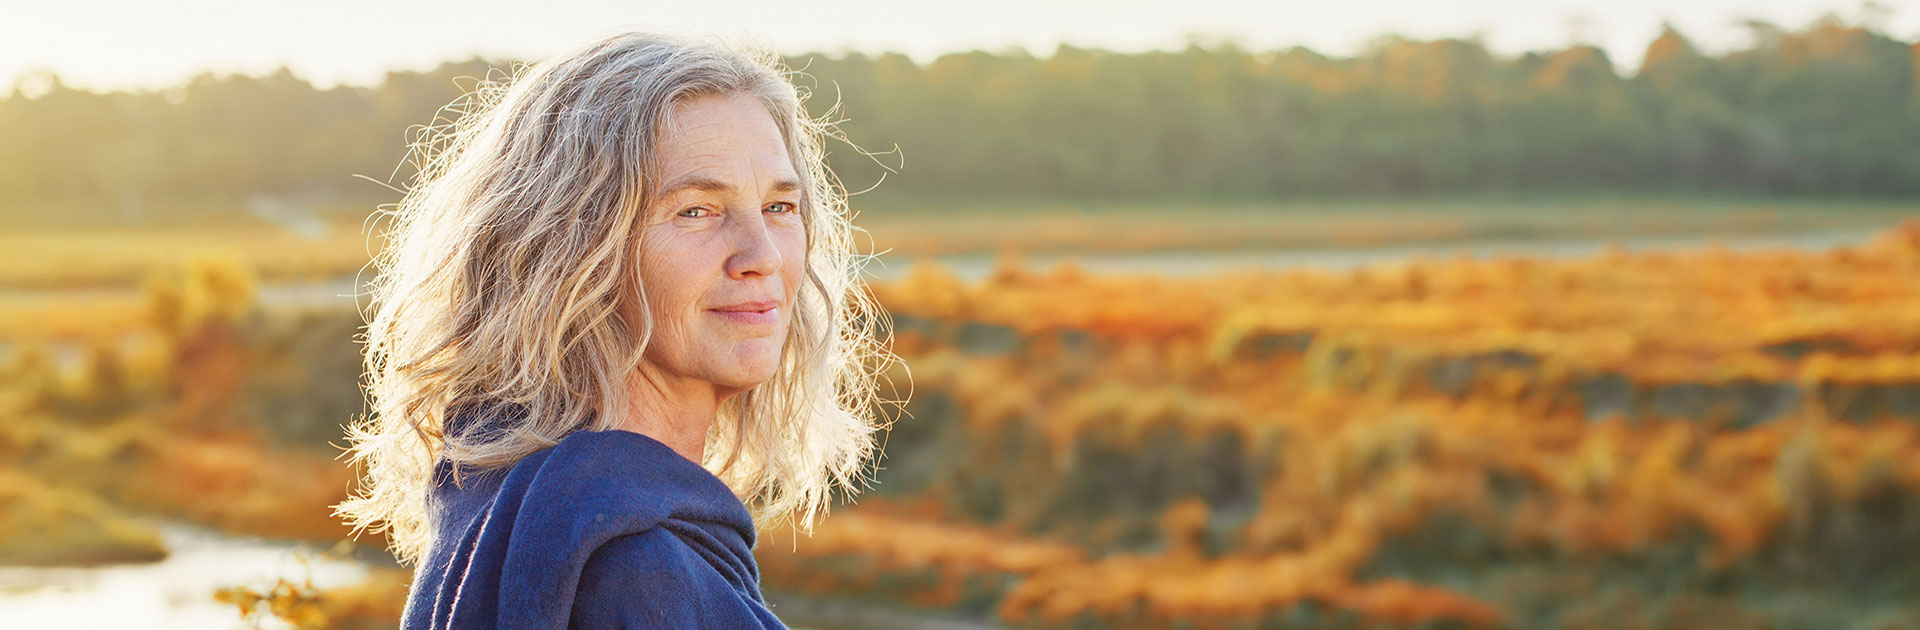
{"type": "Point", "coordinates": [656, 578]}
{"type": "Point", "coordinates": [610, 514]}
{"type": "Point", "coordinates": [693, 567]}
{"type": "Point", "coordinates": [595, 487]}
{"type": "Point", "coordinates": [600, 474]}
{"type": "Point", "coordinates": [593, 475]}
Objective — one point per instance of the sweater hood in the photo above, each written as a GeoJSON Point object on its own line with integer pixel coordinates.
{"type": "Point", "coordinates": [510, 544]}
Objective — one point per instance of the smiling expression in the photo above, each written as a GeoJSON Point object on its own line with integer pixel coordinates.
{"type": "Point", "coordinates": [722, 245]}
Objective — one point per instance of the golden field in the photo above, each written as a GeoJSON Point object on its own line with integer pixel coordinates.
{"type": "Point", "coordinates": [1657, 439]}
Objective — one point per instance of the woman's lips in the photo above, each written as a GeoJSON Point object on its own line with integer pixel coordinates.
{"type": "Point", "coordinates": [769, 316]}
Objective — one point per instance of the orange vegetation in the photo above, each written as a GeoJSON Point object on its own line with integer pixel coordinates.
{"type": "Point", "coordinates": [150, 418]}
{"type": "Point", "coordinates": [1364, 405]}
{"type": "Point", "coordinates": [937, 559]}
{"type": "Point", "coordinates": [1848, 315]}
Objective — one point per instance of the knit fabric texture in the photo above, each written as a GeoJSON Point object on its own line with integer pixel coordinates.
{"type": "Point", "coordinates": [606, 529]}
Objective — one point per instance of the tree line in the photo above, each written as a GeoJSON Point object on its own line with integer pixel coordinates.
{"type": "Point", "coordinates": [1829, 109]}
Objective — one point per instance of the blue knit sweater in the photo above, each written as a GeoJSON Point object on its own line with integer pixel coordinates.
{"type": "Point", "coordinates": [607, 529]}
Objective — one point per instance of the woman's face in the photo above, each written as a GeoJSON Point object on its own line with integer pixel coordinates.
{"type": "Point", "coordinates": [722, 246]}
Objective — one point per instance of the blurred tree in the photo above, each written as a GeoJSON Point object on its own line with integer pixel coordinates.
{"type": "Point", "coordinates": [1829, 109]}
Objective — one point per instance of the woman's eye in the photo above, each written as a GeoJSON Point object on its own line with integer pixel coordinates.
{"type": "Point", "coordinates": [683, 213]}
{"type": "Point", "coordinates": [785, 208]}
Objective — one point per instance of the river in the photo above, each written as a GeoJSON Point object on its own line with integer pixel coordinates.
{"type": "Point", "coordinates": [176, 592]}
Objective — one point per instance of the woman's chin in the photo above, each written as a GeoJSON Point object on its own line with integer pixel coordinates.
{"type": "Point", "coordinates": [737, 385]}
{"type": "Point", "coordinates": [749, 373]}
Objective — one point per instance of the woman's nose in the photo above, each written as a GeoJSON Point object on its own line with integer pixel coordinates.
{"type": "Point", "coordinates": [754, 250]}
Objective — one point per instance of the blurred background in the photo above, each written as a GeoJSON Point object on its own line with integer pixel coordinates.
{"type": "Point", "coordinates": [1378, 314]}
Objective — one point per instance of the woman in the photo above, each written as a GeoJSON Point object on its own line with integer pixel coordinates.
{"type": "Point", "coordinates": [621, 304]}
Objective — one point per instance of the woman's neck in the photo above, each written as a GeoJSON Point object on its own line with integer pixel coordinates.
{"type": "Point", "coordinates": [677, 412]}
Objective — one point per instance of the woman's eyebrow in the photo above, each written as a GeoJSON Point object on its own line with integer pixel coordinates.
{"type": "Point", "coordinates": [702, 182]}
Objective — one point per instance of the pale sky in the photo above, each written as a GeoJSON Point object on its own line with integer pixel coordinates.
{"type": "Point", "coordinates": [146, 44]}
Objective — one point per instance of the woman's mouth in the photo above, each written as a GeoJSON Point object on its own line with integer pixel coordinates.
{"type": "Point", "coordinates": [752, 314]}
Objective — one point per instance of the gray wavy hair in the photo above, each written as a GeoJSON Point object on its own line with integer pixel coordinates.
{"type": "Point", "coordinates": [509, 261]}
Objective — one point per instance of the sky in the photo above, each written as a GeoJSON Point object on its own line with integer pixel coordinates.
{"type": "Point", "coordinates": [141, 44]}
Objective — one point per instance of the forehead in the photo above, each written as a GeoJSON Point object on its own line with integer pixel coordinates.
{"type": "Point", "coordinates": [721, 136]}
